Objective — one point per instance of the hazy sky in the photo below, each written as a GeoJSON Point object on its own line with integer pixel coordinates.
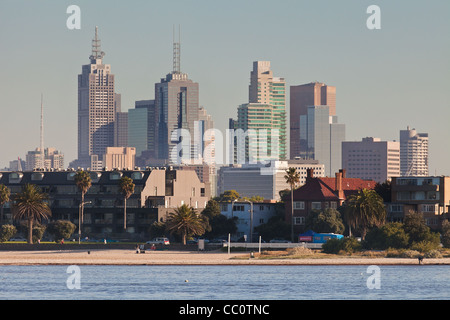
{"type": "Point", "coordinates": [386, 79]}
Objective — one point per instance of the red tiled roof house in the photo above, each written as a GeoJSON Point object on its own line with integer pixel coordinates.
{"type": "Point", "coordinates": [321, 193]}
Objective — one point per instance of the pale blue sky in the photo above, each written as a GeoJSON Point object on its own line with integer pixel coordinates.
{"type": "Point", "coordinates": [386, 79]}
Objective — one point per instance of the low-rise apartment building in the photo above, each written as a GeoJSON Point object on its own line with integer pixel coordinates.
{"type": "Point", "coordinates": [249, 216]}
{"type": "Point", "coordinates": [427, 195]}
{"type": "Point", "coordinates": [157, 192]}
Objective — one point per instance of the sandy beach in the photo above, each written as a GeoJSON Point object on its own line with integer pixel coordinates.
{"type": "Point", "coordinates": [130, 257]}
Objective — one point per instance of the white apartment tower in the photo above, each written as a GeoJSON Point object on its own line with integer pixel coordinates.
{"type": "Point", "coordinates": [413, 153]}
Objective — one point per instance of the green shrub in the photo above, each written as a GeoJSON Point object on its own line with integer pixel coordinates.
{"type": "Point", "coordinates": [433, 254]}
{"type": "Point", "coordinates": [61, 229]}
{"type": "Point", "coordinates": [7, 231]}
{"type": "Point", "coordinates": [351, 245]}
{"type": "Point", "coordinates": [391, 235]}
{"type": "Point", "coordinates": [332, 246]}
{"type": "Point", "coordinates": [410, 254]}
{"type": "Point", "coordinates": [446, 234]}
{"type": "Point", "coordinates": [425, 246]}
{"type": "Point", "coordinates": [340, 246]}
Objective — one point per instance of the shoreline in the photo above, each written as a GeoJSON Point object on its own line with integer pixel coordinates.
{"type": "Point", "coordinates": [122, 257]}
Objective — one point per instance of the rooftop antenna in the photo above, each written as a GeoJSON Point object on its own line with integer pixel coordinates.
{"type": "Point", "coordinates": [42, 132]}
{"type": "Point", "coordinates": [176, 51]}
{"type": "Point", "coordinates": [19, 164]}
{"type": "Point", "coordinates": [97, 52]}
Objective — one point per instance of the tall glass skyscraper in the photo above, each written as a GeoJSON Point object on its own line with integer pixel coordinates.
{"type": "Point", "coordinates": [301, 97]}
{"type": "Point", "coordinates": [321, 138]}
{"type": "Point", "coordinates": [177, 107]}
{"type": "Point", "coordinates": [141, 127]}
{"type": "Point", "coordinates": [264, 116]}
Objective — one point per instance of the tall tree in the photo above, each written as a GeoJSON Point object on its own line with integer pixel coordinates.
{"type": "Point", "coordinates": [365, 210]}
{"type": "Point", "coordinates": [292, 178]}
{"type": "Point", "coordinates": [185, 221]}
{"type": "Point", "coordinates": [126, 187]}
{"type": "Point", "coordinates": [30, 205]}
{"type": "Point", "coordinates": [326, 221]}
{"type": "Point", "coordinates": [220, 225]}
{"type": "Point", "coordinates": [4, 198]}
{"type": "Point", "coordinates": [83, 182]}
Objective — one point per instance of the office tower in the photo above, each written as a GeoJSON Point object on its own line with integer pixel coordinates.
{"type": "Point", "coordinates": [249, 181]}
{"type": "Point", "coordinates": [17, 165]}
{"type": "Point", "coordinates": [119, 158]}
{"type": "Point", "coordinates": [371, 159]}
{"type": "Point", "coordinates": [121, 129]}
{"type": "Point", "coordinates": [204, 146]}
{"type": "Point", "coordinates": [413, 153]}
{"type": "Point", "coordinates": [141, 127]}
{"type": "Point", "coordinates": [263, 119]}
{"type": "Point", "coordinates": [97, 108]}
{"type": "Point", "coordinates": [53, 159]}
{"type": "Point", "coordinates": [177, 107]}
{"type": "Point", "coordinates": [301, 97]}
{"type": "Point", "coordinates": [321, 138]}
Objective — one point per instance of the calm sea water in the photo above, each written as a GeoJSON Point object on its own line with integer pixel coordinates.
{"type": "Point", "coordinates": [224, 283]}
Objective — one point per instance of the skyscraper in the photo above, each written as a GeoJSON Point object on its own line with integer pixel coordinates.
{"type": "Point", "coordinates": [301, 97]}
{"type": "Point", "coordinates": [176, 107]}
{"type": "Point", "coordinates": [141, 127]}
{"type": "Point", "coordinates": [96, 108]}
{"type": "Point", "coordinates": [321, 138]}
{"type": "Point", "coordinates": [264, 115]}
{"type": "Point", "coordinates": [371, 159]}
{"type": "Point", "coordinates": [413, 153]}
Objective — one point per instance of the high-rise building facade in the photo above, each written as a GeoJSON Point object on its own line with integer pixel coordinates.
{"type": "Point", "coordinates": [97, 107]}
{"type": "Point", "coordinates": [121, 129]}
{"type": "Point", "coordinates": [53, 159]}
{"type": "Point", "coordinates": [122, 158]}
{"type": "Point", "coordinates": [177, 112]}
{"type": "Point", "coordinates": [321, 138]}
{"type": "Point", "coordinates": [371, 159]}
{"type": "Point", "coordinates": [263, 119]}
{"type": "Point", "coordinates": [301, 97]}
{"type": "Point", "coordinates": [141, 127]}
{"type": "Point", "coordinates": [413, 153]}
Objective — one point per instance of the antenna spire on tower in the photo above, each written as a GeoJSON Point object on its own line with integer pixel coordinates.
{"type": "Point", "coordinates": [42, 132]}
{"type": "Point", "coordinates": [176, 51]}
{"type": "Point", "coordinates": [97, 52]}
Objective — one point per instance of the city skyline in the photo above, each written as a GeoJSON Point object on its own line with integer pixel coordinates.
{"type": "Point", "coordinates": [385, 79]}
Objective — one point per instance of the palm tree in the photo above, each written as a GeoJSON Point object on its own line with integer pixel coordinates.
{"type": "Point", "coordinates": [30, 205]}
{"type": "Point", "coordinates": [83, 182]}
{"type": "Point", "coordinates": [185, 221]}
{"type": "Point", "coordinates": [292, 178]}
{"type": "Point", "coordinates": [4, 198]}
{"type": "Point", "coordinates": [364, 210]}
{"type": "Point", "coordinates": [126, 187]}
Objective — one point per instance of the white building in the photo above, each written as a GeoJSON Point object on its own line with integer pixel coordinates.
{"type": "Point", "coordinates": [249, 216]}
{"type": "Point", "coordinates": [53, 159]}
{"type": "Point", "coordinates": [264, 180]}
{"type": "Point", "coordinates": [371, 159]}
{"type": "Point", "coordinates": [413, 153]}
